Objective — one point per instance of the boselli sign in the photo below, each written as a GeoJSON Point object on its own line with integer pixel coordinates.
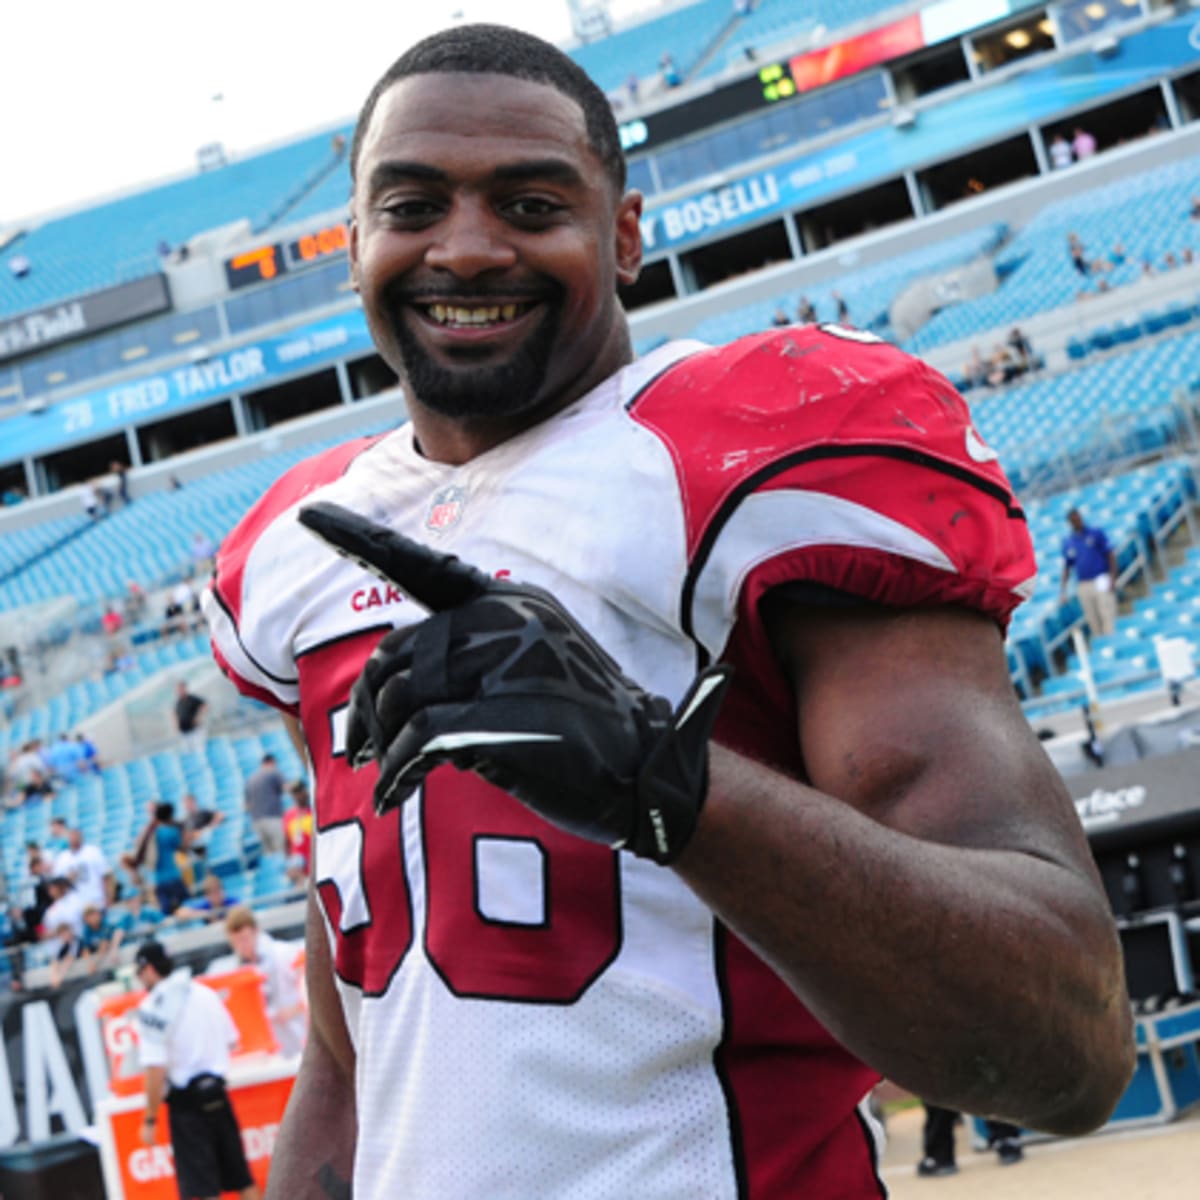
{"type": "Point", "coordinates": [72, 319]}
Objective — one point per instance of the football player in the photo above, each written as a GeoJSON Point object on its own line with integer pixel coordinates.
{"type": "Point", "coordinates": [670, 786]}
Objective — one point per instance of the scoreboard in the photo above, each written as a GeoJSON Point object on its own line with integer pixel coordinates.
{"type": "Point", "coordinates": [771, 84]}
{"type": "Point", "coordinates": [261, 264]}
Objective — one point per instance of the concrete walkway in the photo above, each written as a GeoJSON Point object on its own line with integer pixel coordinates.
{"type": "Point", "coordinates": [1160, 1162]}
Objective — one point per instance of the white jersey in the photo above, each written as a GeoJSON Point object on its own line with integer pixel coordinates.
{"type": "Point", "coordinates": [535, 1015]}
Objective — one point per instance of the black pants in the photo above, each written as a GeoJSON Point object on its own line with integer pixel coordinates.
{"type": "Point", "coordinates": [207, 1145]}
{"type": "Point", "coordinates": [938, 1137]}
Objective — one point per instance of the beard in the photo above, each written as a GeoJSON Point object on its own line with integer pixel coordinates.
{"type": "Point", "coordinates": [479, 391]}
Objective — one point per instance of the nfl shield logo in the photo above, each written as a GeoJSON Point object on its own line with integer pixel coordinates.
{"type": "Point", "coordinates": [445, 509]}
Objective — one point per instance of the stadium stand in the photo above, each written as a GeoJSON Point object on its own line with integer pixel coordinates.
{"type": "Point", "coordinates": [868, 292]}
{"type": "Point", "coordinates": [110, 243]}
{"type": "Point", "coordinates": [634, 53]}
{"type": "Point", "coordinates": [1148, 214]}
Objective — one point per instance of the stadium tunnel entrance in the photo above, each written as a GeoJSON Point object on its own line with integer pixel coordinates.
{"type": "Point", "coordinates": [1187, 93]}
{"type": "Point", "coordinates": [972, 174]}
{"type": "Point", "coordinates": [80, 463]}
{"type": "Point", "coordinates": [201, 427]}
{"type": "Point", "coordinates": [296, 398]}
{"type": "Point", "coordinates": [654, 284]}
{"type": "Point", "coordinates": [1124, 120]}
{"type": "Point", "coordinates": [369, 376]}
{"type": "Point", "coordinates": [732, 256]}
{"type": "Point", "coordinates": [851, 215]}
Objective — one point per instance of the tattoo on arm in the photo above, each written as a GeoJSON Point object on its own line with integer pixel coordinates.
{"type": "Point", "coordinates": [333, 1185]}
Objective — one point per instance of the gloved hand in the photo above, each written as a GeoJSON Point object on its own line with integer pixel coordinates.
{"type": "Point", "coordinates": [502, 681]}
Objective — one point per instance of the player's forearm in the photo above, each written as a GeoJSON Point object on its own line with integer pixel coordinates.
{"type": "Point", "coordinates": [313, 1157]}
{"type": "Point", "coordinates": [983, 980]}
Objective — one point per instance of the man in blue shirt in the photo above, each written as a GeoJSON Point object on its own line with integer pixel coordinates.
{"type": "Point", "coordinates": [1086, 550]}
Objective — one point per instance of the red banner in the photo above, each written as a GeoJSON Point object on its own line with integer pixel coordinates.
{"type": "Point", "coordinates": [819, 67]}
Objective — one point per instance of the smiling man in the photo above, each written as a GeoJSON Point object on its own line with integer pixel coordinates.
{"type": "Point", "coordinates": [563, 942]}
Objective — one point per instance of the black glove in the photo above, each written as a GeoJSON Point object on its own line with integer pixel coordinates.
{"type": "Point", "coordinates": [502, 681]}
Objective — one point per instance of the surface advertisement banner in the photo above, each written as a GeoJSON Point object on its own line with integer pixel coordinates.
{"type": "Point", "coordinates": [81, 316]}
{"type": "Point", "coordinates": [246, 368]}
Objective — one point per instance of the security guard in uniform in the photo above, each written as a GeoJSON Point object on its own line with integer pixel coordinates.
{"type": "Point", "coordinates": [186, 1036]}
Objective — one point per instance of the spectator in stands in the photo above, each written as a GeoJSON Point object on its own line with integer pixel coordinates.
{"type": "Point", "coordinates": [1022, 349]}
{"type": "Point", "coordinates": [1083, 144]}
{"type": "Point", "coordinates": [198, 826]}
{"type": "Point", "coordinates": [806, 314]}
{"type": "Point", "coordinates": [840, 308]}
{"type": "Point", "coordinates": [1195, 213]}
{"type": "Point", "coordinates": [120, 474]}
{"type": "Point", "coordinates": [1170, 262]}
{"type": "Point", "coordinates": [780, 318]}
{"type": "Point", "coordinates": [100, 939]}
{"type": "Point", "coordinates": [1079, 258]}
{"type": "Point", "coordinates": [90, 499]}
{"type": "Point", "coordinates": [64, 759]}
{"type": "Point", "coordinates": [189, 717]}
{"type": "Point", "coordinates": [298, 832]}
{"type": "Point", "coordinates": [1061, 154]}
{"type": "Point", "coordinates": [27, 773]}
{"type": "Point", "coordinates": [1117, 255]}
{"type": "Point", "coordinates": [1187, 256]}
{"type": "Point", "coordinates": [264, 804]}
{"type": "Point", "coordinates": [135, 602]}
{"type": "Point", "coordinates": [57, 841]}
{"type": "Point", "coordinates": [35, 897]}
{"type": "Point", "coordinates": [281, 985]}
{"type": "Point", "coordinates": [66, 907]}
{"type": "Point", "coordinates": [20, 266]}
{"type": "Point", "coordinates": [89, 759]}
{"type": "Point", "coordinates": [202, 551]}
{"type": "Point", "coordinates": [135, 915]}
{"type": "Point", "coordinates": [86, 866]}
{"type": "Point", "coordinates": [975, 368]}
{"type": "Point", "coordinates": [213, 902]}
{"type": "Point", "coordinates": [182, 610]}
{"type": "Point", "coordinates": [669, 71]}
{"type": "Point", "coordinates": [111, 621]}
{"type": "Point", "coordinates": [160, 847]}
{"type": "Point", "coordinates": [1087, 553]}
{"type": "Point", "coordinates": [69, 941]}
{"type": "Point", "coordinates": [1002, 366]}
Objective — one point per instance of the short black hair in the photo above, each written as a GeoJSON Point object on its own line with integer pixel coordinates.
{"type": "Point", "coordinates": [501, 50]}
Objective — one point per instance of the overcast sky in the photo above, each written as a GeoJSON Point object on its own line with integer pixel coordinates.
{"type": "Point", "coordinates": [97, 96]}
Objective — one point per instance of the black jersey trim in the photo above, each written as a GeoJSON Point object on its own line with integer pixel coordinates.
{"type": "Point", "coordinates": [733, 1114]}
{"type": "Point", "coordinates": [666, 368]}
{"type": "Point", "coordinates": [815, 454]}
{"type": "Point", "coordinates": [237, 633]}
{"type": "Point", "coordinates": [872, 1152]}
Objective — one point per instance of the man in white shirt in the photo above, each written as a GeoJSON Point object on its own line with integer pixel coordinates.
{"type": "Point", "coordinates": [186, 1036]}
{"type": "Point", "coordinates": [85, 865]}
{"type": "Point", "coordinates": [66, 907]}
{"type": "Point", "coordinates": [281, 985]}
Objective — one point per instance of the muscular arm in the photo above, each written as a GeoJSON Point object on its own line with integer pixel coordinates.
{"type": "Point", "coordinates": [930, 896]}
{"type": "Point", "coordinates": [314, 1153]}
